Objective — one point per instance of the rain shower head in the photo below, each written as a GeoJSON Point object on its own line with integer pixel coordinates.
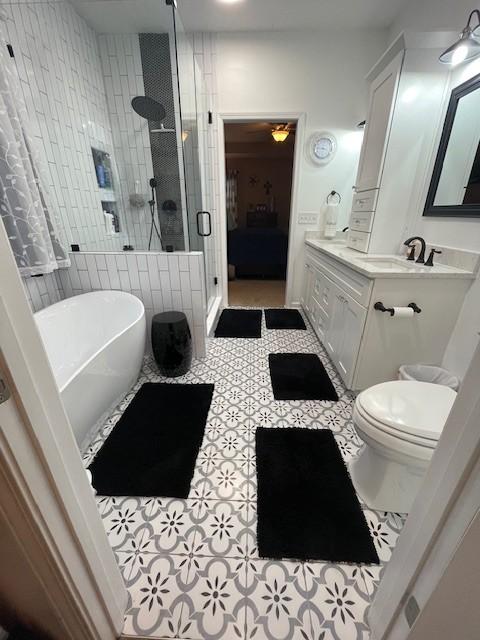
{"type": "Point", "coordinates": [148, 108]}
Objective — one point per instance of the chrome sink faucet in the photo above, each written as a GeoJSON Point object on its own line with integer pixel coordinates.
{"type": "Point", "coordinates": [411, 255]}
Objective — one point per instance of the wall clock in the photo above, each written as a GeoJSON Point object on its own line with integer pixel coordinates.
{"type": "Point", "coordinates": [321, 147]}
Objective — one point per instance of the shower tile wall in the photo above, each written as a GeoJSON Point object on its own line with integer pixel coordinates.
{"type": "Point", "coordinates": [157, 66]}
{"type": "Point", "coordinates": [59, 67]}
{"type": "Point", "coordinates": [42, 291]}
{"type": "Point", "coordinates": [123, 76]}
{"type": "Point", "coordinates": [136, 65]}
{"type": "Point", "coordinates": [163, 281]}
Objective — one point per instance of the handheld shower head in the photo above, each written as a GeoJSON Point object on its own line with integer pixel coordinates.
{"type": "Point", "coordinates": [148, 108]}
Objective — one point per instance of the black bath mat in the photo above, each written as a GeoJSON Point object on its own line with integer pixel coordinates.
{"type": "Point", "coordinates": [239, 323]}
{"type": "Point", "coordinates": [307, 505]}
{"type": "Point", "coordinates": [153, 448]}
{"type": "Point", "coordinates": [300, 376]}
{"type": "Point", "coordinates": [284, 319]}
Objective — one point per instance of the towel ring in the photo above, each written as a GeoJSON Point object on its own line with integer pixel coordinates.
{"type": "Point", "coordinates": [333, 194]}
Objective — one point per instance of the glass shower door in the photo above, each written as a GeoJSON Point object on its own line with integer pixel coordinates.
{"type": "Point", "coordinates": [194, 121]}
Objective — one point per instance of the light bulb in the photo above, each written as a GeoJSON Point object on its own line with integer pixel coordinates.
{"type": "Point", "coordinates": [459, 54]}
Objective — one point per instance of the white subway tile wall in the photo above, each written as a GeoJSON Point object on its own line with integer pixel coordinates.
{"type": "Point", "coordinates": [163, 281]}
{"type": "Point", "coordinates": [42, 291]}
{"type": "Point", "coordinates": [123, 77]}
{"type": "Point", "coordinates": [58, 62]}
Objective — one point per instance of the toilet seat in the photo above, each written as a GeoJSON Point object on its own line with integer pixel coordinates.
{"type": "Point", "coordinates": [378, 429]}
{"type": "Point", "coordinates": [399, 423]}
{"type": "Point", "coordinates": [412, 411]}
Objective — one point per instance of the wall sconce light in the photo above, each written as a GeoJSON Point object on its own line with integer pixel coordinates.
{"type": "Point", "coordinates": [280, 135]}
{"type": "Point", "coordinates": [467, 46]}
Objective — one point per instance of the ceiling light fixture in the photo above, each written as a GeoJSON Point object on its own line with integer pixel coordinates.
{"type": "Point", "coordinates": [280, 135]}
{"type": "Point", "coordinates": [467, 46]}
{"type": "Point", "coordinates": [229, 1]}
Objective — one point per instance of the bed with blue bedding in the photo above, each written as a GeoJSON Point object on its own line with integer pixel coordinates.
{"type": "Point", "coordinates": [258, 252]}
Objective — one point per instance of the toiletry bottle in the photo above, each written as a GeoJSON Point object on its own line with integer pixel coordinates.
{"type": "Point", "coordinates": [100, 170]}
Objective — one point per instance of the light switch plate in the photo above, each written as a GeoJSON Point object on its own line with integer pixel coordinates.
{"type": "Point", "coordinates": [307, 218]}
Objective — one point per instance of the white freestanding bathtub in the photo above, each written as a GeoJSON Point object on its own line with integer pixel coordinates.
{"type": "Point", "coordinates": [95, 343]}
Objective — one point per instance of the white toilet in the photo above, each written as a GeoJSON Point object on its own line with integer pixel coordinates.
{"type": "Point", "coordinates": [400, 423]}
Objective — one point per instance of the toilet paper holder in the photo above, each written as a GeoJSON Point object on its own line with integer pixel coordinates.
{"type": "Point", "coordinates": [379, 306]}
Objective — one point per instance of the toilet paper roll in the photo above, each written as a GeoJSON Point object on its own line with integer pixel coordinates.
{"type": "Point", "coordinates": [403, 312]}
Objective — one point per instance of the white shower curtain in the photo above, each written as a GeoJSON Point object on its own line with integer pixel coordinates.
{"type": "Point", "coordinates": [24, 207]}
{"type": "Point", "coordinates": [232, 200]}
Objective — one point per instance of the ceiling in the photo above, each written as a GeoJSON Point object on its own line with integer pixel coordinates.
{"type": "Point", "coordinates": [282, 15]}
{"type": "Point", "coordinates": [126, 16]}
{"type": "Point", "coordinates": [137, 16]}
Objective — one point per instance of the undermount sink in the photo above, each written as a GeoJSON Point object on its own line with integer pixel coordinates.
{"type": "Point", "coordinates": [387, 264]}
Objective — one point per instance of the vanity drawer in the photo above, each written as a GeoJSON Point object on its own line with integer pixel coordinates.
{"type": "Point", "coordinates": [358, 240]}
{"type": "Point", "coordinates": [361, 220]}
{"type": "Point", "coordinates": [322, 291]}
{"type": "Point", "coordinates": [365, 200]}
{"type": "Point", "coordinates": [320, 320]}
{"type": "Point", "coordinates": [329, 274]}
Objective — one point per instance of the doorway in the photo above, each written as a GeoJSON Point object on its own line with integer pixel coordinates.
{"type": "Point", "coordinates": [259, 162]}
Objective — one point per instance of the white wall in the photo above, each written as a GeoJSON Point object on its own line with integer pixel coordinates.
{"type": "Point", "coordinates": [320, 74]}
{"type": "Point", "coordinates": [461, 233]}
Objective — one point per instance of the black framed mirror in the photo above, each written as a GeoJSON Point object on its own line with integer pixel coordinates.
{"type": "Point", "coordinates": [455, 185]}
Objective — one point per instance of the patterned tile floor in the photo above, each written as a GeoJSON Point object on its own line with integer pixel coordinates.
{"type": "Point", "coordinates": [191, 566]}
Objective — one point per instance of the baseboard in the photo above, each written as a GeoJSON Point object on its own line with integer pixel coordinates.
{"type": "Point", "coordinates": [213, 315]}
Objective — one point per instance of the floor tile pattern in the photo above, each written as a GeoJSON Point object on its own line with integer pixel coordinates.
{"type": "Point", "coordinates": [191, 566]}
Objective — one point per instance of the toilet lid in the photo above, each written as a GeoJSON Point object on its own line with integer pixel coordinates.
{"type": "Point", "coordinates": [418, 408]}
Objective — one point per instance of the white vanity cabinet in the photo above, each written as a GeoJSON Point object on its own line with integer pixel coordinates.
{"type": "Point", "coordinates": [332, 299]}
{"type": "Point", "coordinates": [383, 92]}
{"type": "Point", "coordinates": [368, 346]}
{"type": "Point", "coordinates": [345, 333]}
{"type": "Point", "coordinates": [405, 97]}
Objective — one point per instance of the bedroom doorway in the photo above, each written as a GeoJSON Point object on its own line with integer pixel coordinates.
{"type": "Point", "coordinates": [259, 161]}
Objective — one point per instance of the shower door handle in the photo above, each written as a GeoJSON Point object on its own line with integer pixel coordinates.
{"type": "Point", "coordinates": [201, 233]}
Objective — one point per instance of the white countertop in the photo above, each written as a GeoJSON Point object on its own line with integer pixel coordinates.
{"type": "Point", "coordinates": [383, 266]}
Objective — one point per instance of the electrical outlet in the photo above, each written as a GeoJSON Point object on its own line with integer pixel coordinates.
{"type": "Point", "coordinates": [307, 218]}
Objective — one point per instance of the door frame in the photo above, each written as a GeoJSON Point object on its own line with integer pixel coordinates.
{"type": "Point", "coordinates": [233, 117]}
{"type": "Point", "coordinates": [44, 484]}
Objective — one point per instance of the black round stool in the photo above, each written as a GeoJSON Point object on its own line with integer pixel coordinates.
{"type": "Point", "coordinates": [172, 343]}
